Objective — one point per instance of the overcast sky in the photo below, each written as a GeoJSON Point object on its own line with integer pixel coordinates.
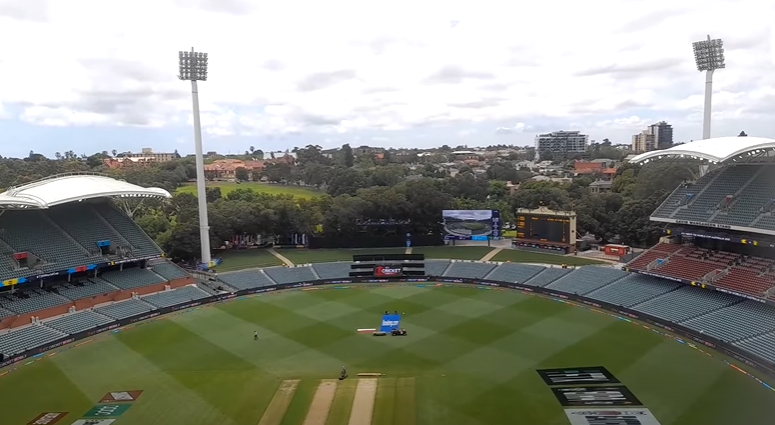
{"type": "Point", "coordinates": [94, 75]}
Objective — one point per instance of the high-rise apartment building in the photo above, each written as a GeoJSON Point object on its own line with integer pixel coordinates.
{"type": "Point", "coordinates": [656, 136]}
{"type": "Point", "coordinates": [562, 144]}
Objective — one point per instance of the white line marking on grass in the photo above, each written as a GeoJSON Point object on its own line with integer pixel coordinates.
{"type": "Point", "coordinates": [363, 402]}
{"type": "Point", "coordinates": [321, 403]}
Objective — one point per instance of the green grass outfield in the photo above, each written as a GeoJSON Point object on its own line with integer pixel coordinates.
{"type": "Point", "coordinates": [272, 189]}
{"type": "Point", "coordinates": [470, 358]}
{"type": "Point", "coordinates": [238, 260]}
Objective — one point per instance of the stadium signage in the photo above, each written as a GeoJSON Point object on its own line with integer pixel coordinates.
{"type": "Point", "coordinates": [383, 271]}
{"type": "Point", "coordinates": [48, 418]}
{"type": "Point", "coordinates": [690, 335]}
{"type": "Point", "coordinates": [703, 224]}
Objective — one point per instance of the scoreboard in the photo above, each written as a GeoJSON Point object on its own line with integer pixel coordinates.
{"type": "Point", "coordinates": [548, 226]}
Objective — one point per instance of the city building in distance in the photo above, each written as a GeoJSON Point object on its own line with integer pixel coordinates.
{"type": "Point", "coordinates": [561, 144]}
{"type": "Point", "coordinates": [656, 137]}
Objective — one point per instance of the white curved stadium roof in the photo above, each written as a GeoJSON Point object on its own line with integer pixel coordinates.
{"type": "Point", "coordinates": [718, 149]}
{"type": "Point", "coordinates": [73, 188]}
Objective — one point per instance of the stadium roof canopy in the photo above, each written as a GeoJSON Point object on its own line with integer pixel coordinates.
{"type": "Point", "coordinates": [66, 188]}
{"type": "Point", "coordinates": [719, 149]}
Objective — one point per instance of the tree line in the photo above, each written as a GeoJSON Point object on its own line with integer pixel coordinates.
{"type": "Point", "coordinates": [354, 188]}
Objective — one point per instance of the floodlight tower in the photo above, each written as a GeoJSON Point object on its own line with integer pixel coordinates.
{"type": "Point", "coordinates": [193, 67]}
{"type": "Point", "coordinates": [709, 56]}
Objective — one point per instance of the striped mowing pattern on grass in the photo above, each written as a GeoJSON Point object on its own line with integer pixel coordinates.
{"type": "Point", "coordinates": [473, 355]}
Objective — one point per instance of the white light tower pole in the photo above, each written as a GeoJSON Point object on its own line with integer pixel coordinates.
{"type": "Point", "coordinates": [193, 67]}
{"type": "Point", "coordinates": [709, 56]}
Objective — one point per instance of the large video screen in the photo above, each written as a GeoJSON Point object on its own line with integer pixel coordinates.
{"type": "Point", "coordinates": [471, 225]}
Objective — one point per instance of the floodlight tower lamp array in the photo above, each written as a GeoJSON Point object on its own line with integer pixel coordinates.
{"type": "Point", "coordinates": [709, 56]}
{"type": "Point", "coordinates": [193, 67]}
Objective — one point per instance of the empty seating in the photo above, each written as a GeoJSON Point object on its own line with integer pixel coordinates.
{"type": "Point", "coordinates": [84, 225]}
{"type": "Point", "coordinates": [685, 303]}
{"type": "Point", "coordinates": [245, 279]}
{"type": "Point", "coordinates": [763, 346]}
{"type": "Point", "coordinates": [290, 274]}
{"type": "Point", "coordinates": [469, 270]}
{"type": "Point", "coordinates": [633, 289]}
{"type": "Point", "coordinates": [132, 278]}
{"type": "Point", "coordinates": [659, 251]}
{"type": "Point", "coordinates": [5, 313]}
{"type": "Point", "coordinates": [124, 309]}
{"type": "Point", "coordinates": [332, 270]}
{"type": "Point", "coordinates": [706, 203]}
{"type": "Point", "coordinates": [22, 231]}
{"type": "Point", "coordinates": [746, 279]}
{"type": "Point", "coordinates": [169, 271]}
{"type": "Point", "coordinates": [85, 289]}
{"type": "Point", "coordinates": [21, 340]}
{"type": "Point", "coordinates": [682, 196]}
{"type": "Point", "coordinates": [586, 279]}
{"type": "Point", "coordinates": [142, 244]}
{"type": "Point", "coordinates": [78, 322]}
{"type": "Point", "coordinates": [547, 276]}
{"type": "Point", "coordinates": [436, 267]}
{"type": "Point", "coordinates": [746, 205]}
{"type": "Point", "coordinates": [750, 192]}
{"type": "Point", "coordinates": [34, 300]}
{"type": "Point", "coordinates": [175, 296]}
{"type": "Point", "coordinates": [514, 273]}
{"type": "Point", "coordinates": [739, 321]}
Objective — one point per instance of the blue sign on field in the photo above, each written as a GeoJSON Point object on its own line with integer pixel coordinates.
{"type": "Point", "coordinates": [390, 322]}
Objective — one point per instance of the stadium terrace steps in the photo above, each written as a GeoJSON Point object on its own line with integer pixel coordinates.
{"type": "Point", "coordinates": [5, 313]}
{"type": "Point", "coordinates": [686, 302]}
{"type": "Point", "coordinates": [84, 225]}
{"type": "Point", "coordinates": [683, 195]}
{"type": "Point", "coordinates": [634, 289]}
{"type": "Point", "coordinates": [749, 185]}
{"type": "Point", "coordinates": [85, 288]}
{"type": "Point", "coordinates": [332, 270]}
{"type": "Point", "coordinates": [175, 296]}
{"type": "Point", "coordinates": [547, 276]}
{"type": "Point", "coordinates": [124, 225]}
{"type": "Point", "coordinates": [168, 271]}
{"type": "Point", "coordinates": [246, 279]}
{"type": "Point", "coordinates": [124, 309]}
{"type": "Point", "coordinates": [290, 274]}
{"type": "Point", "coordinates": [514, 273]}
{"type": "Point", "coordinates": [736, 322]}
{"type": "Point", "coordinates": [22, 229]}
{"type": "Point", "coordinates": [704, 205]}
{"type": "Point", "coordinates": [71, 233]}
{"type": "Point", "coordinates": [132, 278]}
{"type": "Point", "coordinates": [80, 321]}
{"type": "Point", "coordinates": [584, 280]}
{"type": "Point", "coordinates": [33, 300]}
{"type": "Point", "coordinates": [747, 204]}
{"type": "Point", "coordinates": [659, 251]}
{"type": "Point", "coordinates": [469, 270]}
{"type": "Point", "coordinates": [762, 345]}
{"type": "Point", "coordinates": [23, 339]}
{"type": "Point", "coordinates": [436, 267]}
{"type": "Point", "coordinates": [746, 279]}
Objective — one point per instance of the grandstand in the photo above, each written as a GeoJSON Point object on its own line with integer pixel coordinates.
{"type": "Point", "coordinates": [721, 227]}
{"type": "Point", "coordinates": [67, 247]}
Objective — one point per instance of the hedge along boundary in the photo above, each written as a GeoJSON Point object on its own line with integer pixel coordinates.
{"type": "Point", "coordinates": [622, 313]}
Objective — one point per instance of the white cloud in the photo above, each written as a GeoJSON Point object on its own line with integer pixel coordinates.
{"type": "Point", "coordinates": [347, 66]}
